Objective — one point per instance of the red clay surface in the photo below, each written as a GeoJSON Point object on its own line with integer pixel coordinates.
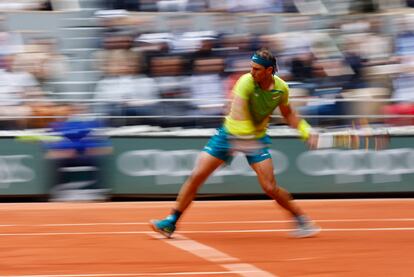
{"type": "Point", "coordinates": [222, 238]}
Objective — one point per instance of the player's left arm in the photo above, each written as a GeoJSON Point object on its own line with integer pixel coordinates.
{"type": "Point", "coordinates": [295, 121]}
{"type": "Point", "coordinates": [290, 116]}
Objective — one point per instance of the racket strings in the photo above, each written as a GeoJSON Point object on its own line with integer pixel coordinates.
{"type": "Point", "coordinates": [360, 136]}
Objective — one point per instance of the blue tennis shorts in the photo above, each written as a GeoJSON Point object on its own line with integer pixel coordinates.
{"type": "Point", "coordinates": [223, 145]}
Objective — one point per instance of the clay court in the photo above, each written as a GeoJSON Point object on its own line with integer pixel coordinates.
{"type": "Point", "coordinates": [215, 238]}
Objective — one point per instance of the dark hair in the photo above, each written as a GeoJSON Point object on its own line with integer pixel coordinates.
{"type": "Point", "coordinates": [267, 55]}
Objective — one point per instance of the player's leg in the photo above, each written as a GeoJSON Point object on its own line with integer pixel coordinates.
{"type": "Point", "coordinates": [214, 154]}
{"type": "Point", "coordinates": [205, 166]}
{"type": "Point", "coordinates": [267, 180]}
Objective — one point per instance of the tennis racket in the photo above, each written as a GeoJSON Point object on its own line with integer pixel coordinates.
{"type": "Point", "coordinates": [360, 136]}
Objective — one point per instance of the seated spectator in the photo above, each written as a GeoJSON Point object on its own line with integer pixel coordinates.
{"type": "Point", "coordinates": [12, 95]}
{"type": "Point", "coordinates": [207, 90]}
{"type": "Point", "coordinates": [128, 5]}
{"type": "Point", "coordinates": [404, 99]}
{"type": "Point", "coordinates": [179, 39]}
{"type": "Point", "coordinates": [172, 5]}
{"type": "Point", "coordinates": [123, 93]}
{"type": "Point", "coordinates": [169, 73]}
{"type": "Point", "coordinates": [48, 65]}
{"type": "Point", "coordinates": [33, 5]}
{"type": "Point", "coordinates": [323, 108]}
{"type": "Point", "coordinates": [24, 98]}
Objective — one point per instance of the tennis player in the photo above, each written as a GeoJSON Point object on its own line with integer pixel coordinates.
{"type": "Point", "coordinates": [255, 96]}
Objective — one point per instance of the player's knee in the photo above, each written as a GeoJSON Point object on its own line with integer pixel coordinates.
{"type": "Point", "coordinates": [271, 189]}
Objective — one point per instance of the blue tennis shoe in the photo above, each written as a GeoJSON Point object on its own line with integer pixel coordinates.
{"type": "Point", "coordinates": [165, 227]}
{"type": "Point", "coordinates": [305, 228]}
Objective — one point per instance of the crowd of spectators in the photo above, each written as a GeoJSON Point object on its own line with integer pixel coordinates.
{"type": "Point", "coordinates": [257, 6]}
{"type": "Point", "coordinates": [27, 68]}
{"type": "Point", "coordinates": [189, 74]}
{"type": "Point", "coordinates": [182, 74]}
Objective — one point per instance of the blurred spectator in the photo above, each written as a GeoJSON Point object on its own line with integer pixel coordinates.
{"type": "Point", "coordinates": [169, 73]}
{"type": "Point", "coordinates": [25, 5]}
{"type": "Point", "coordinates": [354, 61]}
{"type": "Point", "coordinates": [404, 39]}
{"type": "Point", "coordinates": [197, 5]}
{"type": "Point", "coordinates": [13, 110]}
{"type": "Point", "coordinates": [289, 6]}
{"type": "Point", "coordinates": [144, 101]}
{"type": "Point", "coordinates": [177, 40]}
{"type": "Point", "coordinates": [148, 5]}
{"type": "Point", "coordinates": [364, 6]}
{"type": "Point", "coordinates": [377, 45]}
{"type": "Point", "coordinates": [224, 24]}
{"type": "Point", "coordinates": [257, 6]}
{"type": "Point", "coordinates": [23, 97]}
{"type": "Point", "coordinates": [207, 88]}
{"type": "Point", "coordinates": [129, 5]}
{"type": "Point", "coordinates": [311, 7]}
{"type": "Point", "coordinates": [402, 74]}
{"type": "Point", "coordinates": [10, 42]}
{"type": "Point", "coordinates": [317, 59]}
{"type": "Point", "coordinates": [236, 49]}
{"type": "Point", "coordinates": [122, 92]}
{"type": "Point", "coordinates": [181, 5]}
{"type": "Point", "coordinates": [48, 65]}
{"type": "Point", "coordinates": [119, 29]}
{"type": "Point", "coordinates": [302, 69]}
{"type": "Point", "coordinates": [77, 156]}
{"type": "Point", "coordinates": [404, 98]}
{"type": "Point", "coordinates": [43, 109]}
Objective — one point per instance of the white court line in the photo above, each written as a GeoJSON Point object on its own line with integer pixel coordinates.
{"type": "Point", "coordinates": [190, 273]}
{"type": "Point", "coordinates": [209, 222]}
{"type": "Point", "coordinates": [162, 204]}
{"type": "Point", "coordinates": [203, 231]}
{"type": "Point", "coordinates": [214, 256]}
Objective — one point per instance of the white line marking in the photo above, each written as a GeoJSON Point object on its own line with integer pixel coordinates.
{"type": "Point", "coordinates": [163, 204]}
{"type": "Point", "coordinates": [300, 259]}
{"type": "Point", "coordinates": [74, 233]}
{"type": "Point", "coordinates": [136, 274]}
{"type": "Point", "coordinates": [214, 256]}
{"type": "Point", "coordinates": [201, 250]}
{"type": "Point", "coordinates": [289, 230]}
{"type": "Point", "coordinates": [289, 221]}
{"type": "Point", "coordinates": [208, 222]}
{"type": "Point", "coordinates": [204, 231]}
{"type": "Point", "coordinates": [244, 269]}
